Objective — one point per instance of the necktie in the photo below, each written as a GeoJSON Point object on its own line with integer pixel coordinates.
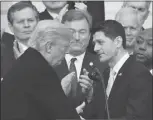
{"type": "Point", "coordinates": [74, 81]}
{"type": "Point", "coordinates": [110, 82]}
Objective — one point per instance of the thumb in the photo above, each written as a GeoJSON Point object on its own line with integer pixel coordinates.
{"type": "Point", "coordinates": [70, 76]}
{"type": "Point", "coordinates": [82, 105]}
{"type": "Point", "coordinates": [85, 72]}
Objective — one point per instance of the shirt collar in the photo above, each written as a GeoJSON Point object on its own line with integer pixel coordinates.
{"type": "Point", "coordinates": [68, 57]}
{"type": "Point", "coordinates": [22, 46]}
{"type": "Point", "coordinates": [120, 63]}
{"type": "Point", "coordinates": [151, 71]}
{"type": "Point", "coordinates": [54, 15]}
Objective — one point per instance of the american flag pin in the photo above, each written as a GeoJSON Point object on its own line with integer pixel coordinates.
{"type": "Point", "coordinates": [120, 74]}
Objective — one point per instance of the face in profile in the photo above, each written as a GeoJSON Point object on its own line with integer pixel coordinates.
{"type": "Point", "coordinates": [54, 5]}
{"type": "Point", "coordinates": [24, 22]}
{"type": "Point", "coordinates": [81, 36]}
{"type": "Point", "coordinates": [141, 7]}
{"type": "Point", "coordinates": [58, 52]}
{"type": "Point", "coordinates": [104, 47]}
{"type": "Point", "coordinates": [143, 50]}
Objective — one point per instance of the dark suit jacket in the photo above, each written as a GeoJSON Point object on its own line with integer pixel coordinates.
{"type": "Point", "coordinates": [131, 92]}
{"type": "Point", "coordinates": [45, 15]}
{"type": "Point", "coordinates": [94, 109]}
{"type": "Point", "coordinates": [7, 55]}
{"type": "Point", "coordinates": [32, 91]}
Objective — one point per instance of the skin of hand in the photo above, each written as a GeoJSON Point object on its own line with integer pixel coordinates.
{"type": "Point", "coordinates": [80, 108]}
{"type": "Point", "coordinates": [80, 5]}
{"type": "Point", "coordinates": [87, 85]}
{"type": "Point", "coordinates": [66, 83]}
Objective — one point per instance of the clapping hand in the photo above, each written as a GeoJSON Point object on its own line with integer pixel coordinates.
{"type": "Point", "coordinates": [66, 83]}
{"type": "Point", "coordinates": [87, 85]}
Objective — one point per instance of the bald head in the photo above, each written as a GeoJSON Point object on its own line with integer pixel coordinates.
{"type": "Point", "coordinates": [128, 17]}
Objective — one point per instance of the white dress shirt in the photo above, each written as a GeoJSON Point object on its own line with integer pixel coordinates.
{"type": "Point", "coordinates": [54, 15]}
{"type": "Point", "coordinates": [151, 71]}
{"type": "Point", "coordinates": [78, 62]}
{"type": "Point", "coordinates": [22, 47]}
{"type": "Point", "coordinates": [115, 70]}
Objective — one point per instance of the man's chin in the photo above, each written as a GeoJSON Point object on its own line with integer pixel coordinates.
{"type": "Point", "coordinates": [140, 59]}
{"type": "Point", "coordinates": [56, 64]}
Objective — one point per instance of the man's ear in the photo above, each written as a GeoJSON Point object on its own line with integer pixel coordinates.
{"type": "Point", "coordinates": [48, 47]}
{"type": "Point", "coordinates": [11, 27]}
{"type": "Point", "coordinates": [118, 41]}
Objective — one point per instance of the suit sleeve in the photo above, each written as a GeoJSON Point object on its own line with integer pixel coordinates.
{"type": "Point", "coordinates": [140, 97]}
{"type": "Point", "coordinates": [54, 100]}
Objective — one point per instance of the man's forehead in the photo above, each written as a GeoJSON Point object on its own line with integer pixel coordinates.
{"type": "Point", "coordinates": [137, 4]}
{"type": "Point", "coordinates": [98, 36]}
{"type": "Point", "coordinates": [129, 21]}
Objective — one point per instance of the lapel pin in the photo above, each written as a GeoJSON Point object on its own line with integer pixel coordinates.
{"type": "Point", "coordinates": [120, 74]}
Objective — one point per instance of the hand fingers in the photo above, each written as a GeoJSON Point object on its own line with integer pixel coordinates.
{"type": "Point", "coordinates": [85, 84]}
{"type": "Point", "coordinates": [85, 72]}
{"type": "Point", "coordinates": [82, 105]}
{"type": "Point", "coordinates": [86, 78]}
{"type": "Point", "coordinates": [72, 74]}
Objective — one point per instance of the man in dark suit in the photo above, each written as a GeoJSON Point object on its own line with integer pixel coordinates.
{"type": "Point", "coordinates": [80, 23]}
{"type": "Point", "coordinates": [31, 90]}
{"type": "Point", "coordinates": [22, 27]}
{"type": "Point", "coordinates": [54, 10]}
{"type": "Point", "coordinates": [129, 84]}
{"type": "Point", "coordinates": [7, 55]}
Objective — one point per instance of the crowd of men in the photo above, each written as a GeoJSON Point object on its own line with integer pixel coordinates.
{"type": "Point", "coordinates": [70, 63]}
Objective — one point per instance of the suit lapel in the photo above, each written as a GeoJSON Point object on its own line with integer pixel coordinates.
{"type": "Point", "coordinates": [87, 59]}
{"type": "Point", "coordinates": [120, 76]}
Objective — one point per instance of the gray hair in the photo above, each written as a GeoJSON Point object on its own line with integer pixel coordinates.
{"type": "Point", "coordinates": [126, 12]}
{"type": "Point", "coordinates": [49, 30]}
{"type": "Point", "coordinates": [72, 15]}
{"type": "Point", "coordinates": [147, 2]}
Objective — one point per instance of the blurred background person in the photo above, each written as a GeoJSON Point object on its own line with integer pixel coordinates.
{"type": "Point", "coordinates": [142, 7]}
{"type": "Point", "coordinates": [54, 10]}
{"type": "Point", "coordinates": [143, 48]}
{"type": "Point", "coordinates": [128, 17]}
{"type": "Point", "coordinates": [23, 18]}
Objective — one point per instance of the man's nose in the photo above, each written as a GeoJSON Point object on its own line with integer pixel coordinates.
{"type": "Point", "coordinates": [96, 48]}
{"type": "Point", "coordinates": [26, 24]}
{"type": "Point", "coordinates": [128, 31]}
{"type": "Point", "coordinates": [143, 46]}
{"type": "Point", "coordinates": [77, 36]}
